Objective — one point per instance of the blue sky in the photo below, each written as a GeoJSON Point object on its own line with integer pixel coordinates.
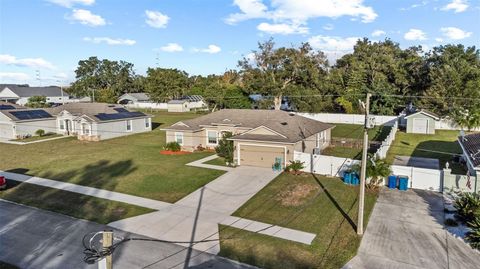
{"type": "Point", "coordinates": [41, 41]}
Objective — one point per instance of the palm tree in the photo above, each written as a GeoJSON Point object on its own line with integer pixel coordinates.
{"type": "Point", "coordinates": [377, 169]}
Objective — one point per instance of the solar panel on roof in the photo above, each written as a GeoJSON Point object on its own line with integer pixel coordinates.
{"type": "Point", "coordinates": [30, 114]}
{"type": "Point", "coordinates": [5, 107]}
{"type": "Point", "coordinates": [118, 116]}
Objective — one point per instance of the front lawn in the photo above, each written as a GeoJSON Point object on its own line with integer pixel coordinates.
{"type": "Point", "coordinates": [354, 132]}
{"type": "Point", "coordinates": [311, 203]}
{"type": "Point", "coordinates": [442, 145]}
{"type": "Point", "coordinates": [37, 138]}
{"type": "Point", "coordinates": [217, 161]}
{"type": "Point", "coordinates": [130, 164]}
{"type": "Point", "coordinates": [70, 203]}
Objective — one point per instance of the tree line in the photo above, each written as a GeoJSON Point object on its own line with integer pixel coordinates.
{"type": "Point", "coordinates": [445, 80]}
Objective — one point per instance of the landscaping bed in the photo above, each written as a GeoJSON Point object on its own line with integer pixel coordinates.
{"type": "Point", "coordinates": [37, 138]}
{"type": "Point", "coordinates": [316, 204]}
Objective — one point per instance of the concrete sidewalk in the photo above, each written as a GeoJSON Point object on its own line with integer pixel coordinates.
{"type": "Point", "coordinates": [406, 230]}
{"type": "Point", "coordinates": [104, 194]}
{"type": "Point", "coordinates": [7, 141]}
{"type": "Point", "coordinates": [201, 163]}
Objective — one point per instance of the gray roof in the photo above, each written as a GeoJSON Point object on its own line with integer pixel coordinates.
{"type": "Point", "coordinates": [177, 101]}
{"type": "Point", "coordinates": [293, 127]}
{"type": "Point", "coordinates": [193, 98]}
{"type": "Point", "coordinates": [26, 91]}
{"type": "Point", "coordinates": [9, 106]}
{"type": "Point", "coordinates": [425, 112]}
{"type": "Point", "coordinates": [97, 111]}
{"type": "Point", "coordinates": [138, 96]}
{"type": "Point", "coordinates": [28, 114]}
{"type": "Point", "coordinates": [471, 144]}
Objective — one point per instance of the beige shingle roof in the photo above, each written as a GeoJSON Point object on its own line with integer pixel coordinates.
{"type": "Point", "coordinates": [294, 127]}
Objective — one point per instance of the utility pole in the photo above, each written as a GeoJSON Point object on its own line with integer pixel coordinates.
{"type": "Point", "coordinates": [363, 172]}
{"type": "Point", "coordinates": [107, 242]}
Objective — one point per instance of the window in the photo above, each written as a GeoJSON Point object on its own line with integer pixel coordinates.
{"type": "Point", "coordinates": [179, 138]}
{"type": "Point", "coordinates": [85, 129]}
{"type": "Point", "coordinates": [129, 125]}
{"type": "Point", "coordinates": [147, 123]}
{"type": "Point", "coordinates": [212, 137]}
{"type": "Point", "coordinates": [62, 124]}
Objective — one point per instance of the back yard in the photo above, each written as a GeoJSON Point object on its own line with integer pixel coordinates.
{"type": "Point", "coordinates": [316, 204]}
{"type": "Point", "coordinates": [352, 133]}
{"type": "Point", "coordinates": [130, 164]}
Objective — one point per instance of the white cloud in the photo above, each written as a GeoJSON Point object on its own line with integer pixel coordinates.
{"type": "Point", "coordinates": [455, 33]}
{"type": "Point", "coordinates": [156, 19]}
{"type": "Point", "coordinates": [438, 39]}
{"type": "Point", "coordinates": [86, 17]}
{"type": "Point", "coordinates": [110, 41]}
{"type": "Point", "coordinates": [15, 76]}
{"type": "Point", "coordinates": [172, 47]}
{"type": "Point", "coordinates": [328, 27]}
{"type": "Point", "coordinates": [282, 28]}
{"type": "Point", "coordinates": [212, 49]}
{"type": "Point", "coordinates": [421, 4]}
{"type": "Point", "coordinates": [291, 13]}
{"type": "Point", "coordinates": [70, 3]}
{"type": "Point", "coordinates": [378, 33]}
{"type": "Point", "coordinates": [26, 62]}
{"type": "Point", "coordinates": [333, 43]}
{"type": "Point", "coordinates": [415, 34]}
{"type": "Point", "coordinates": [457, 6]}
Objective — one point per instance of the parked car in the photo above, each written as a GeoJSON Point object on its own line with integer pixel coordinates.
{"type": "Point", "coordinates": [3, 183]}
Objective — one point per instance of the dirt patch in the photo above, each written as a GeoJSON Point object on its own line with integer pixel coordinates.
{"type": "Point", "coordinates": [295, 195]}
{"type": "Point", "coordinates": [169, 152]}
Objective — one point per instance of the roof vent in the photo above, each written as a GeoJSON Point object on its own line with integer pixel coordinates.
{"type": "Point", "coordinates": [227, 120]}
{"type": "Point", "coordinates": [291, 114]}
{"type": "Point", "coordinates": [283, 123]}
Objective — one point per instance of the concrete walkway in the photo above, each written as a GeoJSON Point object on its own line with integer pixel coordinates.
{"type": "Point", "coordinates": [201, 163]}
{"type": "Point", "coordinates": [110, 195]}
{"type": "Point", "coordinates": [7, 141]}
{"type": "Point", "coordinates": [406, 230]}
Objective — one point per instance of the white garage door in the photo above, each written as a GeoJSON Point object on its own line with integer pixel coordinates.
{"type": "Point", "coordinates": [420, 126]}
{"type": "Point", "coordinates": [6, 131]}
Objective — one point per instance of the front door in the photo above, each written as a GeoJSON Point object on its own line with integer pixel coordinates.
{"type": "Point", "coordinates": [68, 127]}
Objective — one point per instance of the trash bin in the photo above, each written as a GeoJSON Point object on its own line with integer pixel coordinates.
{"type": "Point", "coordinates": [392, 182]}
{"type": "Point", "coordinates": [403, 183]}
{"type": "Point", "coordinates": [355, 179]}
{"type": "Point", "coordinates": [347, 178]}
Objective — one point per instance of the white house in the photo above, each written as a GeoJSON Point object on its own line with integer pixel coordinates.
{"type": "Point", "coordinates": [17, 121]}
{"type": "Point", "coordinates": [187, 103]}
{"type": "Point", "coordinates": [140, 100]}
{"type": "Point", "coordinates": [20, 94]}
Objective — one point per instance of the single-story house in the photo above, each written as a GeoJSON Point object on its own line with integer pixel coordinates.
{"type": "Point", "coordinates": [20, 94]}
{"type": "Point", "coordinates": [140, 100]}
{"type": "Point", "coordinates": [421, 122]}
{"type": "Point", "coordinates": [470, 145]}
{"type": "Point", "coordinates": [187, 103]}
{"type": "Point", "coordinates": [99, 121]}
{"type": "Point", "coordinates": [260, 136]}
{"type": "Point", "coordinates": [17, 121]}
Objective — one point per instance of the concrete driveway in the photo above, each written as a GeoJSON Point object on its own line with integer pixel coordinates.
{"type": "Point", "coordinates": [406, 230]}
{"type": "Point", "coordinates": [35, 238]}
{"type": "Point", "coordinates": [196, 216]}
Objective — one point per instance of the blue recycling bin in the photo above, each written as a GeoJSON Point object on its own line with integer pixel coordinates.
{"type": "Point", "coordinates": [392, 182]}
{"type": "Point", "coordinates": [347, 178]}
{"type": "Point", "coordinates": [355, 179]}
{"type": "Point", "coordinates": [403, 183]}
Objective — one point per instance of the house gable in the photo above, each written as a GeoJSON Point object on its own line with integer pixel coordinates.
{"type": "Point", "coordinates": [262, 130]}
{"type": "Point", "coordinates": [7, 93]}
{"type": "Point", "coordinates": [423, 113]}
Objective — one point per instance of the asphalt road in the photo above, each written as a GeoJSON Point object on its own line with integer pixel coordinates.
{"type": "Point", "coordinates": [35, 238]}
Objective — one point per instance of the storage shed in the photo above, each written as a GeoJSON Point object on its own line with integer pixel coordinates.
{"type": "Point", "coordinates": [178, 106]}
{"type": "Point", "coordinates": [421, 122]}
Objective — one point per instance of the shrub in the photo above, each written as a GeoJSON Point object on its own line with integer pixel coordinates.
{"type": "Point", "coordinates": [225, 147]}
{"type": "Point", "coordinates": [473, 236]}
{"type": "Point", "coordinates": [451, 222]}
{"type": "Point", "coordinates": [376, 170]}
{"type": "Point", "coordinates": [468, 206]}
{"type": "Point", "coordinates": [295, 166]}
{"type": "Point", "coordinates": [173, 146]}
{"type": "Point", "coordinates": [40, 132]}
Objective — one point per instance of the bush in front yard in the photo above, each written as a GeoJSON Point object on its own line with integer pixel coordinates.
{"type": "Point", "coordinates": [295, 166]}
{"type": "Point", "coordinates": [468, 206]}
{"type": "Point", "coordinates": [40, 132]}
{"type": "Point", "coordinates": [225, 147]}
{"type": "Point", "coordinates": [473, 236]}
{"type": "Point", "coordinates": [173, 146]}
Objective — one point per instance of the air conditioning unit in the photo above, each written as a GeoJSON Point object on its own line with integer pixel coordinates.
{"type": "Point", "coordinates": [317, 151]}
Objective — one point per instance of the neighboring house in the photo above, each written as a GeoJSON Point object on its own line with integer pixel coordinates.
{"type": "Point", "coordinates": [20, 94]}
{"type": "Point", "coordinates": [187, 103]}
{"type": "Point", "coordinates": [470, 145]}
{"type": "Point", "coordinates": [17, 121]}
{"type": "Point", "coordinates": [99, 121]}
{"type": "Point", "coordinates": [260, 136]}
{"type": "Point", "coordinates": [140, 100]}
{"type": "Point", "coordinates": [421, 122]}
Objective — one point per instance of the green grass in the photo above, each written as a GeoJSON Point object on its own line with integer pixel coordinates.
{"type": "Point", "coordinates": [352, 131]}
{"type": "Point", "coordinates": [328, 210]}
{"type": "Point", "coordinates": [217, 161]}
{"type": "Point", "coordinates": [427, 146]}
{"type": "Point", "coordinates": [130, 164]}
{"type": "Point", "coordinates": [70, 203]}
{"type": "Point", "coordinates": [37, 138]}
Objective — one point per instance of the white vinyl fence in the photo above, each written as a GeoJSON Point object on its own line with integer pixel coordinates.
{"type": "Point", "coordinates": [448, 124]}
{"type": "Point", "coordinates": [148, 105]}
{"type": "Point", "coordinates": [324, 165]}
{"type": "Point", "coordinates": [381, 152]}
{"type": "Point", "coordinates": [420, 178]}
{"type": "Point", "coordinates": [349, 118]}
